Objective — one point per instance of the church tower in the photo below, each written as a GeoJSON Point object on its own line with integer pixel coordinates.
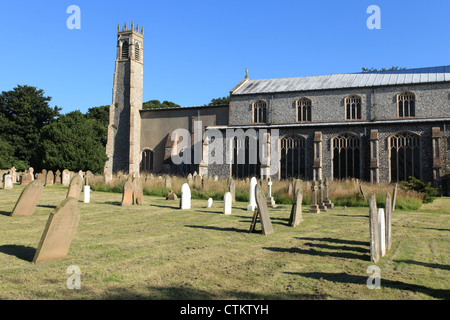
{"type": "Point", "coordinates": [123, 146]}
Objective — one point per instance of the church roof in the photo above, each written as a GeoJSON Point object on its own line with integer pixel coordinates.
{"type": "Point", "coordinates": [347, 80]}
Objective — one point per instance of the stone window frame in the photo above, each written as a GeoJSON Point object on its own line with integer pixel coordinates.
{"type": "Point", "coordinates": [300, 109]}
{"type": "Point", "coordinates": [137, 51]}
{"type": "Point", "coordinates": [254, 104]}
{"type": "Point", "coordinates": [347, 118]}
{"type": "Point", "coordinates": [305, 141]}
{"type": "Point", "coordinates": [152, 167]}
{"type": "Point", "coordinates": [332, 157]}
{"type": "Point", "coordinates": [122, 52]}
{"type": "Point", "coordinates": [389, 147]}
{"type": "Point", "coordinates": [398, 100]}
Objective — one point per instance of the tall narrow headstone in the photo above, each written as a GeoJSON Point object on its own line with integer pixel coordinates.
{"type": "Point", "coordinates": [382, 230]}
{"type": "Point", "coordinates": [320, 201]}
{"type": "Point", "coordinates": [252, 205]}
{"type": "Point", "coordinates": [185, 201]}
{"type": "Point", "coordinates": [270, 199]}
{"type": "Point", "coordinates": [31, 172]}
{"type": "Point", "coordinates": [59, 232]}
{"type": "Point", "coordinates": [28, 199]}
{"type": "Point", "coordinates": [227, 203]}
{"type": "Point", "coordinates": [374, 230]}
{"type": "Point", "coordinates": [296, 211]}
{"type": "Point", "coordinates": [50, 178]}
{"type": "Point", "coordinates": [86, 194]}
{"type": "Point", "coordinates": [327, 201]}
{"type": "Point", "coordinates": [394, 197]}
{"type": "Point", "coordinates": [388, 213]}
{"type": "Point", "coordinates": [232, 190]}
{"type": "Point", "coordinates": [58, 177]}
{"type": "Point", "coordinates": [76, 184]}
{"type": "Point", "coordinates": [66, 177]}
{"type": "Point", "coordinates": [314, 208]}
{"type": "Point", "coordinates": [261, 212]}
{"type": "Point", "coordinates": [190, 180]}
{"type": "Point", "coordinates": [127, 195]}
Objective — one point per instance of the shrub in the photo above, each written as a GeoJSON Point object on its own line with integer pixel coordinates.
{"type": "Point", "coordinates": [414, 184]}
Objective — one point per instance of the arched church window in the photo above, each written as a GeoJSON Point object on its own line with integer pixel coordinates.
{"type": "Point", "coordinates": [125, 50]}
{"type": "Point", "coordinates": [293, 157]}
{"type": "Point", "coordinates": [147, 161]}
{"type": "Point", "coordinates": [242, 153]}
{"type": "Point", "coordinates": [304, 110]}
{"type": "Point", "coordinates": [346, 156]}
{"type": "Point", "coordinates": [260, 112]}
{"type": "Point", "coordinates": [406, 103]}
{"type": "Point", "coordinates": [353, 107]}
{"type": "Point", "coordinates": [404, 151]}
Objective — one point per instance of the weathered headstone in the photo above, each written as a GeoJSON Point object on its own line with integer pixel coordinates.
{"type": "Point", "coordinates": [388, 213]}
{"type": "Point", "coordinates": [127, 196]}
{"type": "Point", "coordinates": [261, 212]}
{"type": "Point", "coordinates": [227, 203]}
{"type": "Point", "coordinates": [270, 199]}
{"type": "Point", "coordinates": [327, 201]}
{"type": "Point", "coordinates": [12, 172]}
{"type": "Point", "coordinates": [210, 202]}
{"type": "Point", "coordinates": [168, 182]}
{"type": "Point", "coordinates": [296, 211]}
{"type": "Point", "coordinates": [314, 208]}
{"type": "Point", "coordinates": [50, 178]}
{"type": "Point", "coordinates": [41, 177]}
{"type": "Point", "coordinates": [26, 179]}
{"type": "Point", "coordinates": [290, 189]}
{"type": "Point", "coordinates": [31, 172]}
{"type": "Point", "coordinates": [8, 182]}
{"type": "Point", "coordinates": [374, 230]}
{"type": "Point", "coordinates": [44, 175]}
{"type": "Point", "coordinates": [190, 180]}
{"type": "Point", "coordinates": [138, 191]}
{"type": "Point", "coordinates": [76, 184]}
{"type": "Point", "coordinates": [382, 230]}
{"type": "Point", "coordinates": [320, 203]}
{"type": "Point", "coordinates": [232, 190]}
{"type": "Point", "coordinates": [185, 201]}
{"type": "Point", "coordinates": [394, 197]}
{"type": "Point", "coordinates": [66, 177]}
{"type": "Point", "coordinates": [28, 199]}
{"type": "Point", "coordinates": [252, 203]}
{"type": "Point", "coordinates": [59, 232]}
{"type": "Point", "coordinates": [58, 177]}
{"type": "Point", "coordinates": [171, 196]}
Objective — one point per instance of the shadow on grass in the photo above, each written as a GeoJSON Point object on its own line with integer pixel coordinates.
{"type": "Point", "coordinates": [351, 242]}
{"type": "Point", "coordinates": [114, 203]}
{"type": "Point", "coordinates": [46, 206]}
{"type": "Point", "coordinates": [362, 280]}
{"type": "Point", "coordinates": [21, 252]}
{"type": "Point", "coordinates": [218, 229]}
{"type": "Point", "coordinates": [170, 207]}
{"type": "Point", "coordinates": [5, 213]}
{"type": "Point", "coordinates": [425, 264]}
{"type": "Point", "coordinates": [314, 252]}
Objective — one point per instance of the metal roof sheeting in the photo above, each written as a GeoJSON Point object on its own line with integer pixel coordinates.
{"type": "Point", "coordinates": [347, 80]}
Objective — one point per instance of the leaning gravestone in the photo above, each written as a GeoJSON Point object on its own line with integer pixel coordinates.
{"type": "Point", "coordinates": [394, 197]}
{"type": "Point", "coordinates": [138, 192]}
{"type": "Point", "coordinates": [59, 232]}
{"type": "Point", "coordinates": [185, 201]}
{"type": "Point", "coordinates": [28, 199]}
{"type": "Point", "coordinates": [296, 211]}
{"type": "Point", "coordinates": [75, 187]}
{"type": "Point", "coordinates": [262, 211]}
{"type": "Point", "coordinates": [388, 213]}
{"type": "Point", "coordinates": [227, 203]}
{"type": "Point", "coordinates": [374, 230]}
{"type": "Point", "coordinates": [127, 196]}
{"type": "Point", "coordinates": [382, 231]}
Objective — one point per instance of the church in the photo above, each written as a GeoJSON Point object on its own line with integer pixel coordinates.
{"type": "Point", "coordinates": [381, 127]}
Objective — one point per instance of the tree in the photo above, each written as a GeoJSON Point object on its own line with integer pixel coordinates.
{"type": "Point", "coordinates": [156, 104]}
{"type": "Point", "coordinates": [382, 69]}
{"type": "Point", "coordinates": [72, 142]}
{"type": "Point", "coordinates": [219, 101]}
{"type": "Point", "coordinates": [24, 111]}
{"type": "Point", "coordinates": [101, 117]}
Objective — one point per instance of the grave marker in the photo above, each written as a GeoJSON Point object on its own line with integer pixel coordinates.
{"type": "Point", "coordinates": [185, 201]}
{"type": "Point", "coordinates": [227, 203]}
{"type": "Point", "coordinates": [75, 187]}
{"type": "Point", "coordinates": [252, 205]}
{"type": "Point", "coordinates": [261, 212]}
{"type": "Point", "coordinates": [374, 230]}
{"type": "Point", "coordinates": [28, 199]}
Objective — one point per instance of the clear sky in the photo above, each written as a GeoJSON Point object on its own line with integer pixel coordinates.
{"type": "Point", "coordinates": [195, 51]}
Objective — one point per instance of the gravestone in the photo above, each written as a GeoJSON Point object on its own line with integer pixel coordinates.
{"type": "Point", "coordinates": [88, 177]}
{"type": "Point", "coordinates": [31, 172]}
{"type": "Point", "coordinates": [216, 178]}
{"type": "Point", "coordinates": [362, 192]}
{"type": "Point", "coordinates": [227, 203]}
{"type": "Point", "coordinates": [168, 182]}
{"type": "Point", "coordinates": [261, 212]}
{"type": "Point", "coordinates": [59, 232]}
{"type": "Point", "coordinates": [26, 179]}
{"type": "Point", "coordinates": [270, 199]}
{"type": "Point", "coordinates": [394, 197]}
{"type": "Point", "coordinates": [374, 230]}
{"type": "Point", "coordinates": [190, 180]}
{"type": "Point", "coordinates": [171, 196]}
{"type": "Point", "coordinates": [320, 202]}
{"type": "Point", "coordinates": [58, 177]}
{"type": "Point", "coordinates": [127, 196]}
{"type": "Point", "coordinates": [232, 190]}
{"type": "Point", "coordinates": [296, 211]}
{"type": "Point", "coordinates": [40, 176]}
{"type": "Point", "coordinates": [66, 177]}
{"type": "Point", "coordinates": [185, 201]}
{"type": "Point", "coordinates": [314, 208]}
{"type": "Point", "coordinates": [87, 194]}
{"type": "Point", "coordinates": [28, 199]}
{"type": "Point", "coordinates": [327, 201]}
{"type": "Point", "coordinates": [252, 205]}
{"type": "Point", "coordinates": [210, 202]}
{"type": "Point", "coordinates": [50, 178]}
{"type": "Point", "coordinates": [388, 214]}
{"type": "Point", "coordinates": [290, 189]}
{"type": "Point", "coordinates": [44, 176]}
{"type": "Point", "coordinates": [382, 231]}
{"type": "Point", "coordinates": [75, 187]}
{"type": "Point", "coordinates": [12, 172]}
{"type": "Point", "coordinates": [8, 182]}
{"type": "Point", "coordinates": [138, 191]}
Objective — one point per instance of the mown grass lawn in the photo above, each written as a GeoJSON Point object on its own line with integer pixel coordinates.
{"type": "Point", "coordinates": [157, 251]}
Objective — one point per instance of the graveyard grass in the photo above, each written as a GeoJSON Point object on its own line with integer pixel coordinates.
{"type": "Point", "coordinates": [156, 251]}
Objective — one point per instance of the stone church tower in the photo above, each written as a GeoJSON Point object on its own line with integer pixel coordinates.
{"type": "Point", "coordinates": [123, 146]}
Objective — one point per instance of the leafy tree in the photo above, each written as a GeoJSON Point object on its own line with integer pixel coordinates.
{"type": "Point", "coordinates": [219, 101]}
{"type": "Point", "coordinates": [414, 184]}
{"type": "Point", "coordinates": [101, 117]}
{"type": "Point", "coordinates": [72, 142]}
{"type": "Point", "coordinates": [24, 111]}
{"type": "Point", "coordinates": [382, 69]}
{"type": "Point", "coordinates": [156, 104]}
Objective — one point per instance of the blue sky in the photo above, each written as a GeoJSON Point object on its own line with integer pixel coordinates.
{"type": "Point", "coordinates": [195, 51]}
